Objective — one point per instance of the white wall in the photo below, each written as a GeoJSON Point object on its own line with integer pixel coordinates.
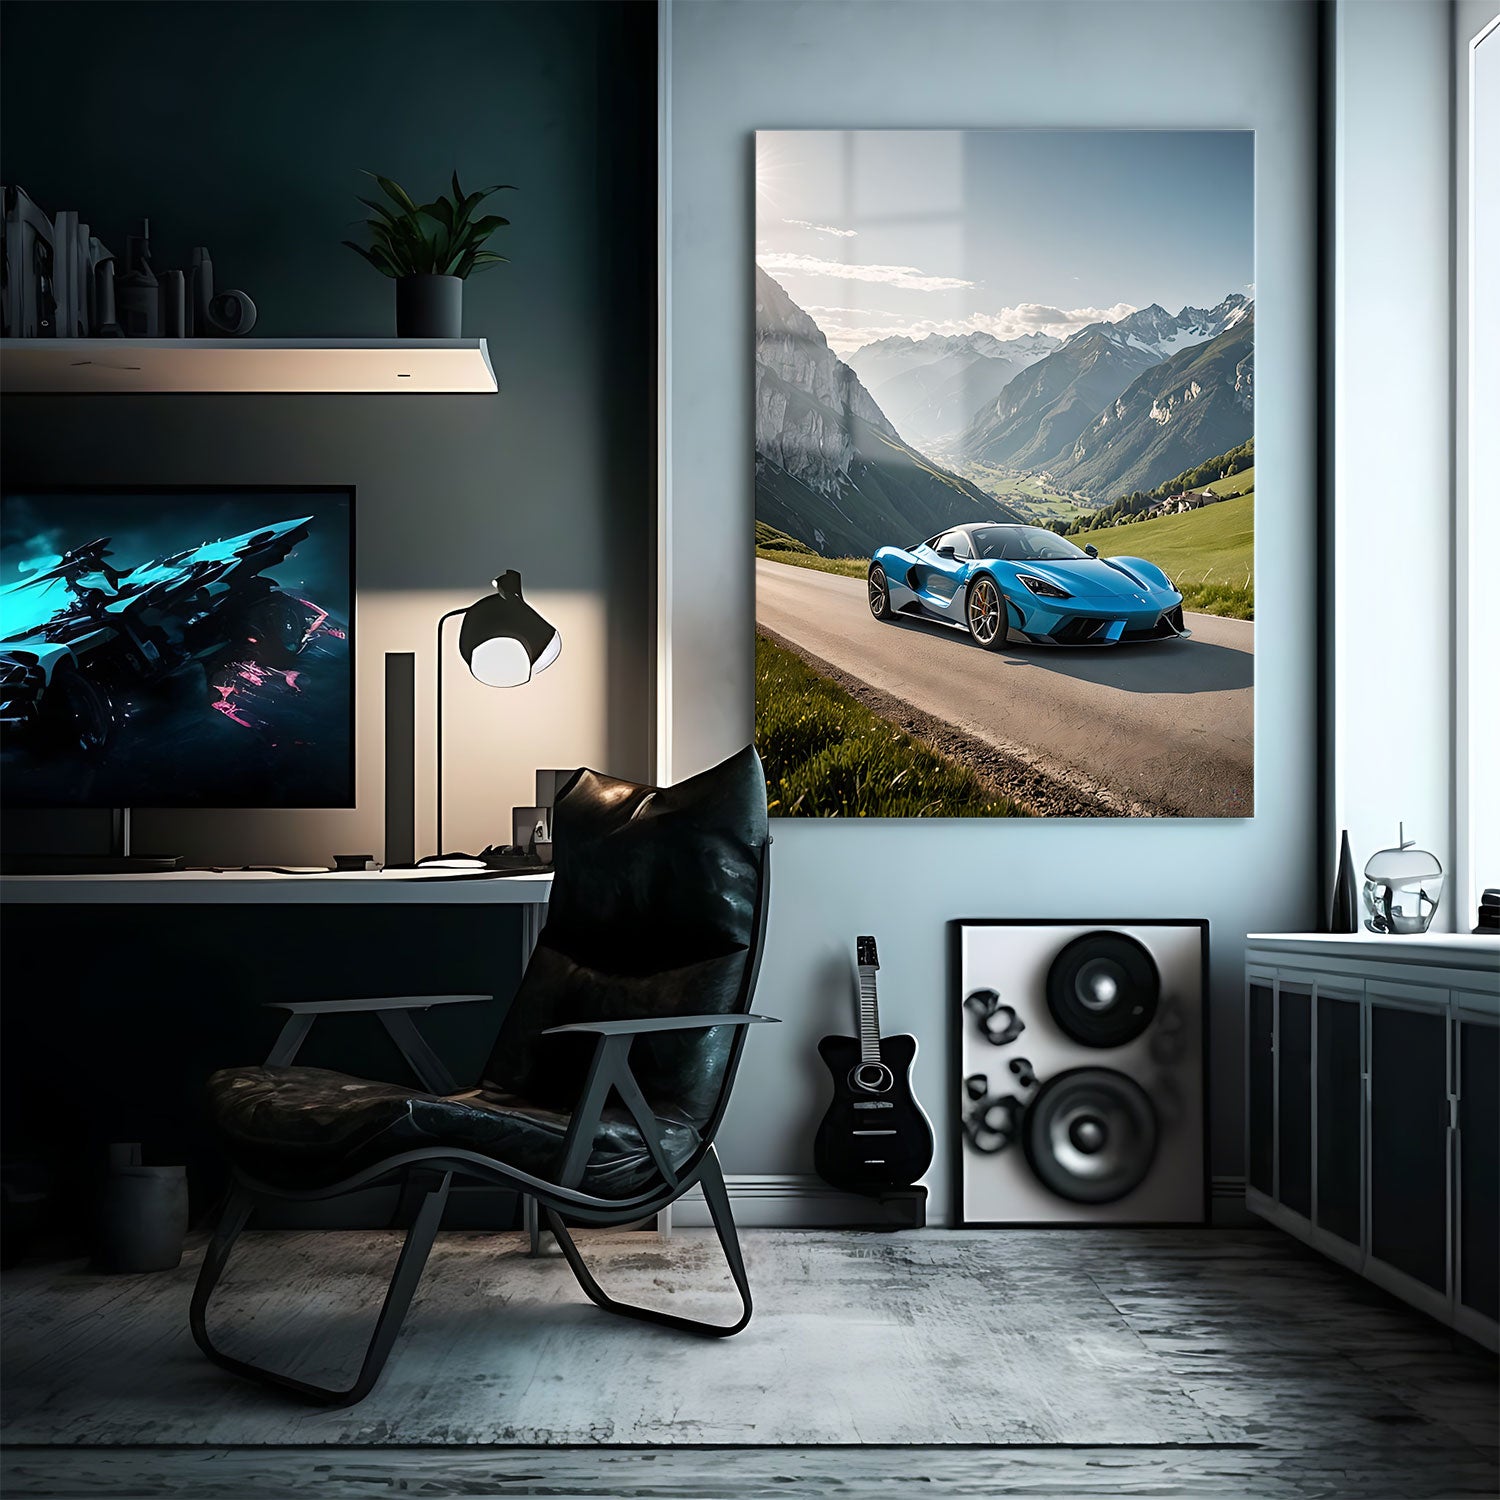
{"type": "Point", "coordinates": [1476, 77]}
{"type": "Point", "coordinates": [735, 65]}
{"type": "Point", "coordinates": [1393, 428]}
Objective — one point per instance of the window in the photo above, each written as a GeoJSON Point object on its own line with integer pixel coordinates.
{"type": "Point", "coordinates": [1024, 544]}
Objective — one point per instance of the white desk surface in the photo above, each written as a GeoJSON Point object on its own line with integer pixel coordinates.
{"type": "Point", "coordinates": [258, 887]}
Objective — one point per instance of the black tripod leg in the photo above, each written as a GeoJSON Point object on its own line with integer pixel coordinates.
{"type": "Point", "coordinates": [414, 1252]}
{"type": "Point", "coordinates": [717, 1197]}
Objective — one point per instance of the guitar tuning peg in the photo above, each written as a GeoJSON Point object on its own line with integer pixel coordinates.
{"type": "Point", "coordinates": [976, 1085]}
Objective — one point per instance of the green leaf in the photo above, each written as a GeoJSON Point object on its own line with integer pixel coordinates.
{"type": "Point", "coordinates": [386, 215]}
{"type": "Point", "coordinates": [395, 192]}
{"type": "Point", "coordinates": [441, 210]}
{"type": "Point", "coordinates": [371, 257]}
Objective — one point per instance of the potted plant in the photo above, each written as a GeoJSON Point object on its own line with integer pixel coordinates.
{"type": "Point", "coordinates": [429, 249]}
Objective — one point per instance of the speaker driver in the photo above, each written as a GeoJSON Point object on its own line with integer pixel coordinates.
{"type": "Point", "coordinates": [1090, 1135]}
{"type": "Point", "coordinates": [1102, 989]}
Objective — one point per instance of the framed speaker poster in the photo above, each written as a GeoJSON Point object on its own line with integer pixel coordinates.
{"type": "Point", "coordinates": [1079, 1054]}
{"type": "Point", "coordinates": [1005, 472]}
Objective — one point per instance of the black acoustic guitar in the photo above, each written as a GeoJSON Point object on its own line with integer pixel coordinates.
{"type": "Point", "coordinates": [874, 1135]}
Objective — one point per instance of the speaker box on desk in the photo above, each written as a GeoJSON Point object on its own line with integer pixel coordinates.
{"type": "Point", "coordinates": [400, 759]}
{"type": "Point", "coordinates": [1080, 1063]}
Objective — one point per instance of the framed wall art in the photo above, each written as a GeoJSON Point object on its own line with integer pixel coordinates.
{"type": "Point", "coordinates": [1005, 472]}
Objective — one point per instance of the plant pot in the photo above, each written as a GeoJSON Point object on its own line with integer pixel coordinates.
{"type": "Point", "coordinates": [429, 307]}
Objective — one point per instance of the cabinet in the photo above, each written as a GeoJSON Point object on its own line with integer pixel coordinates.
{"type": "Point", "coordinates": [1373, 1111]}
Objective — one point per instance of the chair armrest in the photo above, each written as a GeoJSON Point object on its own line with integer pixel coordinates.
{"type": "Point", "coordinates": [662, 1023]}
{"type": "Point", "coordinates": [610, 1070]}
{"type": "Point", "coordinates": [379, 1002]}
{"type": "Point", "coordinates": [429, 1068]}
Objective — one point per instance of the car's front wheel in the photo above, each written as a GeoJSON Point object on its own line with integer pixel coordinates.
{"type": "Point", "coordinates": [985, 610]}
{"type": "Point", "coordinates": [880, 593]}
{"type": "Point", "coordinates": [76, 711]}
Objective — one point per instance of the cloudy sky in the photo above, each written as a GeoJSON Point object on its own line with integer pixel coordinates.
{"type": "Point", "coordinates": [881, 232]}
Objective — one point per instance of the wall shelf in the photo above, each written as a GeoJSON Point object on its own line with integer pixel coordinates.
{"type": "Point", "coordinates": [245, 366]}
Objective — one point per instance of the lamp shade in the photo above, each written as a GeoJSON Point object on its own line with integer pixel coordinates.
{"type": "Point", "coordinates": [504, 641]}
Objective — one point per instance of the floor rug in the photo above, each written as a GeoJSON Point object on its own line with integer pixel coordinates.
{"type": "Point", "coordinates": [932, 1338]}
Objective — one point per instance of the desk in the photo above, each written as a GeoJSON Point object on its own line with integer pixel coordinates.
{"type": "Point", "coordinates": [122, 993]}
{"type": "Point", "coordinates": [265, 888]}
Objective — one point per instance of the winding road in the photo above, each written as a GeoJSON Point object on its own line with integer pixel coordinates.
{"type": "Point", "coordinates": [1169, 726]}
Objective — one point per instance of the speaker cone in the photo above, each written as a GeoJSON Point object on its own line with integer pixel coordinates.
{"type": "Point", "coordinates": [1090, 1135]}
{"type": "Point", "coordinates": [1102, 989]}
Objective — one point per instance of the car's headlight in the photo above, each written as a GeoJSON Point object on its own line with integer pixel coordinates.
{"type": "Point", "coordinates": [1043, 586]}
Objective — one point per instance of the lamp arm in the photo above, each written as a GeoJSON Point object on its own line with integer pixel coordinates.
{"type": "Point", "coordinates": [442, 620]}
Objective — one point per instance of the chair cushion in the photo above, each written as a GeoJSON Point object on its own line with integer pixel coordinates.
{"type": "Point", "coordinates": [654, 911]}
{"type": "Point", "coordinates": [648, 878]}
{"type": "Point", "coordinates": [307, 1127]}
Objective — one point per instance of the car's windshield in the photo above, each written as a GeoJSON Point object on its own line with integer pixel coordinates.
{"type": "Point", "coordinates": [1023, 544]}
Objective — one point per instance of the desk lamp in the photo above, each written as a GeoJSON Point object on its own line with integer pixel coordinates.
{"type": "Point", "coordinates": [505, 643]}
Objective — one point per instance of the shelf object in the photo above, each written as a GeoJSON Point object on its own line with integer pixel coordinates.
{"type": "Point", "coordinates": [245, 366]}
{"type": "Point", "coordinates": [1373, 1091]}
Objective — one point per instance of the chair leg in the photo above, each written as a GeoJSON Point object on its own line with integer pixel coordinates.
{"type": "Point", "coordinates": [403, 1285]}
{"type": "Point", "coordinates": [717, 1197]}
{"type": "Point", "coordinates": [531, 1222]}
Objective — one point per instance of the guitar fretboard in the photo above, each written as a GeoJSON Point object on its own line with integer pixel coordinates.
{"type": "Point", "coordinates": [869, 1016]}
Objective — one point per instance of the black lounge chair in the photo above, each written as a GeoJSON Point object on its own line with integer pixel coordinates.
{"type": "Point", "coordinates": [606, 1084]}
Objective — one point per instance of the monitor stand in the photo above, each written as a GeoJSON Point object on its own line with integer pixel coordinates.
{"type": "Point", "coordinates": [119, 860]}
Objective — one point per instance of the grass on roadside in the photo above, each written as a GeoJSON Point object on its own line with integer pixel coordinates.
{"type": "Point", "coordinates": [847, 567]}
{"type": "Point", "coordinates": [827, 755]}
{"type": "Point", "coordinates": [1227, 599]}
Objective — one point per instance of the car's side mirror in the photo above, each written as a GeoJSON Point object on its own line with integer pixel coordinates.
{"type": "Point", "coordinates": [946, 552]}
{"type": "Point", "coordinates": [1092, 550]}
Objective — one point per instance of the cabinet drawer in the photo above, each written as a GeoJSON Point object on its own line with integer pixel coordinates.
{"type": "Point", "coordinates": [1409, 1129]}
{"type": "Point", "coordinates": [1477, 1170]}
{"type": "Point", "coordinates": [1339, 1117]}
{"type": "Point", "coordinates": [1294, 1054]}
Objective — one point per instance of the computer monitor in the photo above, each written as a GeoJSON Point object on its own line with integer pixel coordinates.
{"type": "Point", "coordinates": [177, 647]}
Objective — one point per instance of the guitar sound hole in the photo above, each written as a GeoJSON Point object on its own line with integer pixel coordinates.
{"type": "Point", "coordinates": [871, 1078]}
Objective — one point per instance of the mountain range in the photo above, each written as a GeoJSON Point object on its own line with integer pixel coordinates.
{"type": "Point", "coordinates": [1056, 414]}
{"type": "Point", "coordinates": [1199, 401]}
{"type": "Point", "coordinates": [931, 387]}
{"type": "Point", "coordinates": [831, 469]}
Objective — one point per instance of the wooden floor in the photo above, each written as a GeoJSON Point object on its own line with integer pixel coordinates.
{"type": "Point", "coordinates": [1308, 1382]}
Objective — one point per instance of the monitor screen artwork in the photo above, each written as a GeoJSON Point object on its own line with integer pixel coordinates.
{"type": "Point", "coordinates": [176, 648]}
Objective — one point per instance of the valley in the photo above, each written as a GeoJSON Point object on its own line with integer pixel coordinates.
{"type": "Point", "coordinates": [1033, 499]}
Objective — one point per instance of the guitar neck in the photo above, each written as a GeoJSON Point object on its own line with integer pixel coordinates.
{"type": "Point", "coordinates": [869, 1016]}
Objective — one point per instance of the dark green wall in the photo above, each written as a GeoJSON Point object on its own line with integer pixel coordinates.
{"type": "Point", "coordinates": [244, 127]}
